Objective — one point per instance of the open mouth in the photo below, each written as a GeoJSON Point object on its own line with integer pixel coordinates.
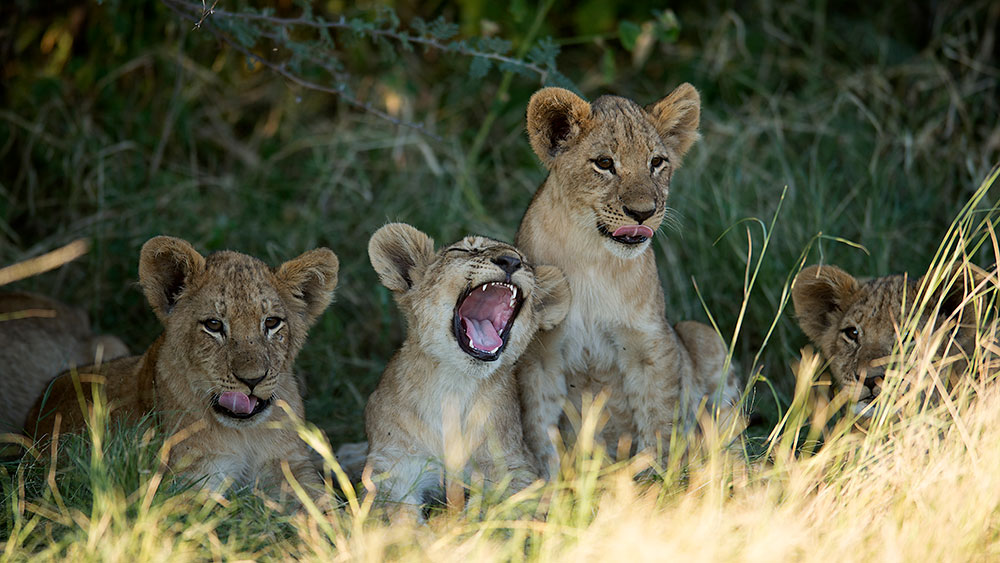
{"type": "Point", "coordinates": [239, 405]}
{"type": "Point", "coordinates": [629, 234]}
{"type": "Point", "coordinates": [484, 316]}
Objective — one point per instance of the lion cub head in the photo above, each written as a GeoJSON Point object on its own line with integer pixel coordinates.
{"type": "Point", "coordinates": [473, 305]}
{"type": "Point", "coordinates": [857, 324]}
{"type": "Point", "coordinates": [614, 159]}
{"type": "Point", "coordinates": [232, 325]}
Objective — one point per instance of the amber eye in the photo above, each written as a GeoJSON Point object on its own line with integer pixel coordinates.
{"type": "Point", "coordinates": [212, 325]}
{"type": "Point", "coordinates": [656, 161]}
{"type": "Point", "coordinates": [851, 333]}
{"type": "Point", "coordinates": [605, 163]}
{"type": "Point", "coordinates": [272, 323]}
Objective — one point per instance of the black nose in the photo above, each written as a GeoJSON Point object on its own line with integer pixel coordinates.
{"type": "Point", "coordinates": [639, 216]}
{"type": "Point", "coordinates": [251, 383]}
{"type": "Point", "coordinates": [508, 263]}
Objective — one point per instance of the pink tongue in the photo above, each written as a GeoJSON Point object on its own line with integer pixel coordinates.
{"type": "Point", "coordinates": [237, 403]}
{"type": "Point", "coordinates": [482, 334]}
{"type": "Point", "coordinates": [633, 230]}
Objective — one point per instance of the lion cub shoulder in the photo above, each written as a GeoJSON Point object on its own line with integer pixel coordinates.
{"type": "Point", "coordinates": [232, 327]}
{"type": "Point", "coordinates": [858, 323]}
{"type": "Point", "coordinates": [447, 401]}
{"type": "Point", "coordinates": [42, 338]}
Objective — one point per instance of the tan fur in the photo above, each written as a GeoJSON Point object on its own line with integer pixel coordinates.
{"type": "Point", "coordinates": [42, 338]}
{"type": "Point", "coordinates": [830, 305]}
{"type": "Point", "coordinates": [615, 338]}
{"type": "Point", "coordinates": [437, 410]}
{"type": "Point", "coordinates": [186, 369]}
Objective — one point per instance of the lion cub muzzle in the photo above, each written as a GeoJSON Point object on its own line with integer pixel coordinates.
{"type": "Point", "coordinates": [485, 313]}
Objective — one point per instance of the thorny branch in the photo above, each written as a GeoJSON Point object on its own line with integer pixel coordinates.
{"type": "Point", "coordinates": [202, 22]}
{"type": "Point", "coordinates": [203, 12]}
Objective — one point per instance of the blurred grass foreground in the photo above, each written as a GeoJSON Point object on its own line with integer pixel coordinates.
{"type": "Point", "coordinates": [860, 134]}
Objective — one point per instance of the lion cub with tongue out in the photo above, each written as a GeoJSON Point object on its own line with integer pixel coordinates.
{"type": "Point", "coordinates": [232, 329]}
{"type": "Point", "coordinates": [447, 402]}
{"type": "Point", "coordinates": [610, 164]}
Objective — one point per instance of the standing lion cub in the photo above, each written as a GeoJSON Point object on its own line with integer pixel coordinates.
{"type": "Point", "coordinates": [232, 329]}
{"type": "Point", "coordinates": [447, 401]}
{"type": "Point", "coordinates": [610, 163]}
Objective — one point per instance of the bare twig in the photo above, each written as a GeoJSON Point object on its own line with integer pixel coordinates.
{"type": "Point", "coordinates": [44, 263]}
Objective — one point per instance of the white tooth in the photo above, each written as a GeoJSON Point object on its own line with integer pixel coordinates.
{"type": "Point", "coordinates": [484, 288]}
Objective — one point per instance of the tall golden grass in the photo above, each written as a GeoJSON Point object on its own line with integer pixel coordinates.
{"type": "Point", "coordinates": [918, 481]}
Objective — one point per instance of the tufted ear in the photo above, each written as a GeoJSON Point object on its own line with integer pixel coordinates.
{"type": "Point", "coordinates": [166, 267]}
{"type": "Point", "coordinates": [819, 292]}
{"type": "Point", "coordinates": [676, 118]}
{"type": "Point", "coordinates": [312, 277]}
{"type": "Point", "coordinates": [398, 253]}
{"type": "Point", "coordinates": [556, 117]}
{"type": "Point", "coordinates": [552, 296]}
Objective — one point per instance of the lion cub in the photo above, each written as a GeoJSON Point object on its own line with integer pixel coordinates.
{"type": "Point", "coordinates": [42, 338]}
{"type": "Point", "coordinates": [610, 163]}
{"type": "Point", "coordinates": [232, 329]}
{"type": "Point", "coordinates": [447, 401]}
{"type": "Point", "coordinates": [857, 323]}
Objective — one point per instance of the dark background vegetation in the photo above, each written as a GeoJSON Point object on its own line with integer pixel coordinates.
{"type": "Point", "coordinates": [121, 120]}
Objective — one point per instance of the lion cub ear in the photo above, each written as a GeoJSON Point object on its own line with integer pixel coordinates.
{"type": "Point", "coordinates": [556, 117]}
{"type": "Point", "coordinates": [398, 253]}
{"type": "Point", "coordinates": [676, 118]}
{"type": "Point", "coordinates": [819, 292]}
{"type": "Point", "coordinates": [311, 277]}
{"type": "Point", "coordinates": [166, 266]}
{"type": "Point", "coordinates": [552, 296]}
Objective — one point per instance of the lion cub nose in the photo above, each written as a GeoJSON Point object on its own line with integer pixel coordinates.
{"type": "Point", "coordinates": [639, 216]}
{"type": "Point", "coordinates": [251, 383]}
{"type": "Point", "coordinates": [507, 263]}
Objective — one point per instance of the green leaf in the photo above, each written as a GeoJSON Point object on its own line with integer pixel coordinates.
{"type": "Point", "coordinates": [479, 67]}
{"type": "Point", "coordinates": [667, 27]}
{"type": "Point", "coordinates": [628, 33]}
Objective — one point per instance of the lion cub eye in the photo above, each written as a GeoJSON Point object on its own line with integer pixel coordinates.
{"type": "Point", "coordinates": [851, 333]}
{"type": "Point", "coordinates": [272, 323]}
{"type": "Point", "coordinates": [212, 325]}
{"type": "Point", "coordinates": [605, 163]}
{"type": "Point", "coordinates": [656, 162]}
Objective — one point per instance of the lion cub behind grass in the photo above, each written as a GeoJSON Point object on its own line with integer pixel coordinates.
{"type": "Point", "coordinates": [232, 329]}
{"type": "Point", "coordinates": [447, 401]}
{"type": "Point", "coordinates": [858, 323]}
{"type": "Point", "coordinates": [39, 339]}
{"type": "Point", "coordinates": [610, 164]}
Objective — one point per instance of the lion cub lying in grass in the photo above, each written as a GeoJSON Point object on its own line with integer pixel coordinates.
{"type": "Point", "coordinates": [858, 323]}
{"type": "Point", "coordinates": [447, 401]}
{"type": "Point", "coordinates": [610, 163]}
{"type": "Point", "coordinates": [39, 339]}
{"type": "Point", "coordinates": [232, 329]}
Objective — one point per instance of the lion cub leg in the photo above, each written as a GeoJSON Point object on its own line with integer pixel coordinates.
{"type": "Point", "coordinates": [542, 387]}
{"type": "Point", "coordinates": [403, 483]}
{"type": "Point", "coordinates": [654, 365]}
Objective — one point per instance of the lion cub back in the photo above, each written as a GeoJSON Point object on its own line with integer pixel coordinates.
{"type": "Point", "coordinates": [42, 338]}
